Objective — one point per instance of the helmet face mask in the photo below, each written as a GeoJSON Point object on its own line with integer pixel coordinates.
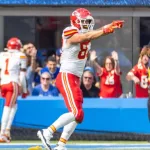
{"type": "Point", "coordinates": [82, 19]}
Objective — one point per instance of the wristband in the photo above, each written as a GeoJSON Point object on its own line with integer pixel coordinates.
{"type": "Point", "coordinates": [108, 30]}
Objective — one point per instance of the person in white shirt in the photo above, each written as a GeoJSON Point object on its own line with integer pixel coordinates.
{"type": "Point", "coordinates": [13, 69]}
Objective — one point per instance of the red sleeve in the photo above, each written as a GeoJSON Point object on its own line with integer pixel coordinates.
{"type": "Point", "coordinates": [134, 70]}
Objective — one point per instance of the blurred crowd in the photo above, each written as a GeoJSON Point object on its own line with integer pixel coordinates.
{"type": "Point", "coordinates": [102, 81]}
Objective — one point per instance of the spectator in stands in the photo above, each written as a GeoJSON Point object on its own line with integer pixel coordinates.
{"type": "Point", "coordinates": [32, 64]}
{"type": "Point", "coordinates": [88, 83]}
{"type": "Point", "coordinates": [52, 68]}
{"type": "Point", "coordinates": [31, 52]}
{"type": "Point", "coordinates": [58, 54]}
{"type": "Point", "coordinates": [110, 83]}
{"type": "Point", "coordinates": [139, 74]}
{"type": "Point", "coordinates": [148, 51]}
{"type": "Point", "coordinates": [45, 88]}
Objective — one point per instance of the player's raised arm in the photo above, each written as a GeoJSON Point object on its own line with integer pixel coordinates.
{"type": "Point", "coordinates": [84, 22]}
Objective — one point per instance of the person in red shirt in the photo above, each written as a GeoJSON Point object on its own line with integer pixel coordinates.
{"type": "Point", "coordinates": [110, 83]}
{"type": "Point", "coordinates": [139, 74]}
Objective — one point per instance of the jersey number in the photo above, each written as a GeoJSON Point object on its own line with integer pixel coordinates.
{"type": "Point", "coordinates": [144, 82]}
{"type": "Point", "coordinates": [6, 70]}
{"type": "Point", "coordinates": [109, 80]}
{"type": "Point", "coordinates": [83, 50]}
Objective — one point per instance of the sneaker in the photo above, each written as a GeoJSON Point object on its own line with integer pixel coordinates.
{"type": "Point", "coordinates": [7, 134]}
{"type": "Point", "coordinates": [45, 136]}
{"type": "Point", "coordinates": [59, 147]}
{"type": "Point", "coordinates": [4, 139]}
{"type": "Point", "coordinates": [8, 137]}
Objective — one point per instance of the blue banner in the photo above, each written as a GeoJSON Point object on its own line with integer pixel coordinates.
{"type": "Point", "coordinates": [108, 115]}
{"type": "Point", "coordinates": [78, 3]}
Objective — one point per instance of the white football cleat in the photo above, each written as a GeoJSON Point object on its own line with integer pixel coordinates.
{"type": "Point", "coordinates": [7, 134]}
{"type": "Point", "coordinates": [4, 139]}
{"type": "Point", "coordinates": [45, 135]}
{"type": "Point", "coordinates": [59, 147]}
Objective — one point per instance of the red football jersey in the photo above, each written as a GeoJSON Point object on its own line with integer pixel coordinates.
{"type": "Point", "coordinates": [110, 84]}
{"type": "Point", "coordinates": [141, 72]}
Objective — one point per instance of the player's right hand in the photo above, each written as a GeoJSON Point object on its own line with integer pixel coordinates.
{"type": "Point", "coordinates": [117, 24]}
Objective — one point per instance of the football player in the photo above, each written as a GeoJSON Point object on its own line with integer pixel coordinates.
{"type": "Point", "coordinates": [13, 69]}
{"type": "Point", "coordinates": [76, 42]}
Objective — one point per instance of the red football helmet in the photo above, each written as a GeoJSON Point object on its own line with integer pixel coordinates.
{"type": "Point", "coordinates": [82, 19]}
{"type": "Point", "coordinates": [14, 44]}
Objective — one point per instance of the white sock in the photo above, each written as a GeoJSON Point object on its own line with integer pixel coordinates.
{"type": "Point", "coordinates": [11, 117]}
{"type": "Point", "coordinates": [4, 120]}
{"type": "Point", "coordinates": [62, 121]}
{"type": "Point", "coordinates": [67, 132]}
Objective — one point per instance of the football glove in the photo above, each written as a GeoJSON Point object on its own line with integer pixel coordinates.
{"type": "Point", "coordinates": [24, 95]}
{"type": "Point", "coordinates": [117, 24]}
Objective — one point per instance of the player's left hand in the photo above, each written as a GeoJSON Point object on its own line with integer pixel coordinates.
{"type": "Point", "coordinates": [117, 24]}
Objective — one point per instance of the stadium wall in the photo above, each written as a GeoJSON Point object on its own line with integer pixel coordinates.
{"type": "Point", "coordinates": [103, 115]}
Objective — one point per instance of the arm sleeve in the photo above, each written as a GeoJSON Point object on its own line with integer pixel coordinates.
{"type": "Point", "coordinates": [69, 31]}
{"type": "Point", "coordinates": [133, 70]}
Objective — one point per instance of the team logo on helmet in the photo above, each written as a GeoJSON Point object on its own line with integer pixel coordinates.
{"type": "Point", "coordinates": [82, 19]}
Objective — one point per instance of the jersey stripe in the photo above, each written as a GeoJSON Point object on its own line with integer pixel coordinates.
{"type": "Point", "coordinates": [15, 94]}
{"type": "Point", "coordinates": [69, 94]}
{"type": "Point", "coordinates": [70, 32]}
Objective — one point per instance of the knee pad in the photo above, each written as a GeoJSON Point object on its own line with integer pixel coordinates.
{"type": "Point", "coordinates": [79, 117]}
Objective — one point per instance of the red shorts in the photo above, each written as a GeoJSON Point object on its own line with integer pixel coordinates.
{"type": "Point", "coordinates": [69, 86]}
{"type": "Point", "coordinates": [10, 92]}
